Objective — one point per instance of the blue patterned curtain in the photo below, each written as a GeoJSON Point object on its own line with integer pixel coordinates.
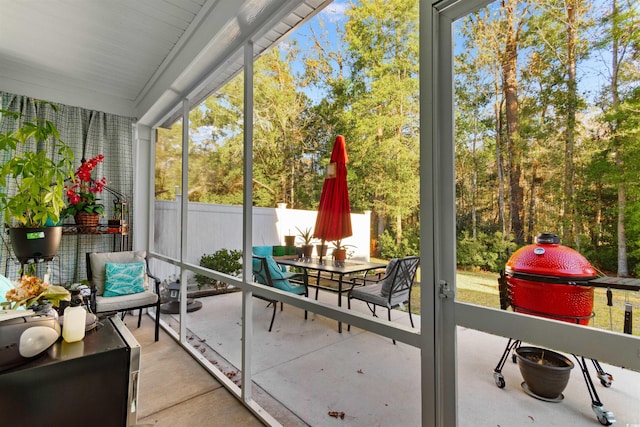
{"type": "Point", "coordinates": [88, 133]}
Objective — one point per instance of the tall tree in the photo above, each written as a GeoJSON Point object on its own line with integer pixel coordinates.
{"type": "Point", "coordinates": [473, 122]}
{"type": "Point", "coordinates": [382, 39]}
{"type": "Point", "coordinates": [168, 167]}
{"type": "Point", "coordinates": [279, 108]}
{"type": "Point", "coordinates": [513, 22]}
{"type": "Point", "coordinates": [624, 45]}
{"type": "Point", "coordinates": [568, 219]}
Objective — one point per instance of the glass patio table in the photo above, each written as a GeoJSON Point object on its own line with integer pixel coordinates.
{"type": "Point", "coordinates": [337, 268]}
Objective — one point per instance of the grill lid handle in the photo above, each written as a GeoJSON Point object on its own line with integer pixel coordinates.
{"type": "Point", "coordinates": [547, 238]}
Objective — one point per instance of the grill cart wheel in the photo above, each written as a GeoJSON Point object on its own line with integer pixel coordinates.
{"type": "Point", "coordinates": [605, 417]}
{"type": "Point", "coordinates": [499, 379]}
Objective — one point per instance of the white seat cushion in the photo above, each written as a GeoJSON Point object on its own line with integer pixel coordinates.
{"type": "Point", "coordinates": [373, 294]}
{"type": "Point", "coordinates": [105, 304]}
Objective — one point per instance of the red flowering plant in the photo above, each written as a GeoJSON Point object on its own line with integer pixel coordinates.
{"type": "Point", "coordinates": [83, 191]}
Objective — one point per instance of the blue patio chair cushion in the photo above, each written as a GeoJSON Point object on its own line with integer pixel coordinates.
{"type": "Point", "coordinates": [266, 251]}
{"type": "Point", "coordinates": [279, 278]}
{"type": "Point", "coordinates": [263, 250]}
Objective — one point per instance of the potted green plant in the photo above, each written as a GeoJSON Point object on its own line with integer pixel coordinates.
{"type": "Point", "coordinates": [118, 222]}
{"type": "Point", "coordinates": [339, 250]}
{"type": "Point", "coordinates": [84, 205]}
{"type": "Point", "coordinates": [33, 180]}
{"type": "Point", "coordinates": [289, 240]}
{"type": "Point", "coordinates": [307, 236]}
{"type": "Point", "coordinates": [226, 261]}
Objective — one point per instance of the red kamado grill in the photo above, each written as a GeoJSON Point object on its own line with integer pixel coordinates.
{"type": "Point", "coordinates": [542, 280]}
{"type": "Point", "coordinates": [549, 280]}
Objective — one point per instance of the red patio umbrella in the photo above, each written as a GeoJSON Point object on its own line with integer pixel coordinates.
{"type": "Point", "coordinates": [334, 212]}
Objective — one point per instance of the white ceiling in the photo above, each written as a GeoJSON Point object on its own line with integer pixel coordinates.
{"type": "Point", "coordinates": [137, 58]}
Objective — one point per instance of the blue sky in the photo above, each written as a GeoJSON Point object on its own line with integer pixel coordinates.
{"type": "Point", "coordinates": [592, 71]}
{"type": "Point", "coordinates": [330, 22]}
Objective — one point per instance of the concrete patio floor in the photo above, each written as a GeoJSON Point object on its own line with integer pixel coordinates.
{"type": "Point", "coordinates": [305, 371]}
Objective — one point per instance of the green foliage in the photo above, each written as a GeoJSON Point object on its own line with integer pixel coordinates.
{"type": "Point", "coordinates": [38, 167]}
{"type": "Point", "coordinates": [225, 261]}
{"type": "Point", "coordinates": [383, 107]}
{"type": "Point", "coordinates": [484, 252]}
{"type": "Point", "coordinates": [368, 92]}
{"type": "Point", "coordinates": [604, 257]}
{"type": "Point", "coordinates": [409, 244]}
{"type": "Point", "coordinates": [306, 235]}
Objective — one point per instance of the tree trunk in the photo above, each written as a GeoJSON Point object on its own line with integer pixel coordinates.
{"type": "Point", "coordinates": [510, 88]}
{"type": "Point", "coordinates": [532, 204]}
{"type": "Point", "coordinates": [568, 211]}
{"type": "Point", "coordinates": [615, 97]}
{"type": "Point", "coordinates": [598, 231]}
{"type": "Point", "coordinates": [474, 180]}
{"type": "Point", "coordinates": [293, 186]}
{"type": "Point", "coordinates": [500, 172]}
{"type": "Point", "coordinates": [381, 225]}
{"type": "Point", "coordinates": [622, 238]}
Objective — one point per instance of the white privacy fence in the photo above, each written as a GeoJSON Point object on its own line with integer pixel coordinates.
{"type": "Point", "coordinates": [212, 227]}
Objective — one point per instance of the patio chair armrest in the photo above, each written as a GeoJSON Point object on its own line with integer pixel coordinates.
{"type": "Point", "coordinates": [298, 278]}
{"type": "Point", "coordinates": [92, 298]}
{"type": "Point", "coordinates": [360, 281]}
{"type": "Point", "coordinates": [157, 282]}
{"type": "Point", "coordinates": [363, 281]}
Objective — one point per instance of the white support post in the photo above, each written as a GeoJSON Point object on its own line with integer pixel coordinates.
{"type": "Point", "coordinates": [247, 226]}
{"type": "Point", "coordinates": [184, 220]}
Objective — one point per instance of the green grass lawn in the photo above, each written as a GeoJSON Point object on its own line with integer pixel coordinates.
{"type": "Point", "coordinates": [481, 288]}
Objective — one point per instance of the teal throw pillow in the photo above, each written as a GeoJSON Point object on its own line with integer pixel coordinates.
{"type": "Point", "coordinates": [124, 279]}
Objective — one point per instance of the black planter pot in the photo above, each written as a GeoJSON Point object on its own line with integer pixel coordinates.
{"type": "Point", "coordinates": [36, 243]}
{"type": "Point", "coordinates": [545, 372]}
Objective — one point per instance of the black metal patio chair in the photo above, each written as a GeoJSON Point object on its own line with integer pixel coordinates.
{"type": "Point", "coordinates": [267, 272]}
{"type": "Point", "coordinates": [390, 291]}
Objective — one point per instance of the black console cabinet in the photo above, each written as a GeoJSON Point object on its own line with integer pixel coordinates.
{"type": "Point", "coordinates": [89, 383]}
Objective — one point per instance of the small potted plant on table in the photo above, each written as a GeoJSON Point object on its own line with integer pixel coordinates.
{"type": "Point", "coordinates": [307, 236]}
{"type": "Point", "coordinates": [339, 250]}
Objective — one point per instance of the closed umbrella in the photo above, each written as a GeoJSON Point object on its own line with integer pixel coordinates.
{"type": "Point", "coordinates": [334, 212]}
